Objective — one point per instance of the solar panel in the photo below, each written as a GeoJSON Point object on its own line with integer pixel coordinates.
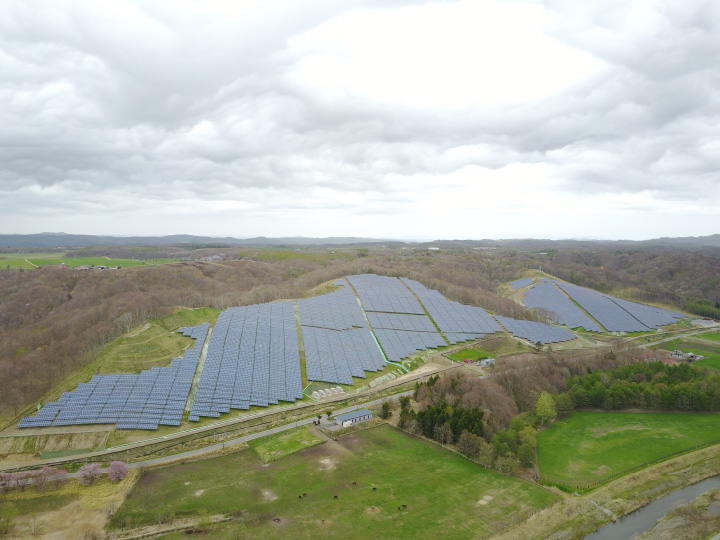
{"type": "Point", "coordinates": [130, 401]}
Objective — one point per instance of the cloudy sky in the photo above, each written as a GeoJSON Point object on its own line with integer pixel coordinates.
{"type": "Point", "coordinates": [382, 118]}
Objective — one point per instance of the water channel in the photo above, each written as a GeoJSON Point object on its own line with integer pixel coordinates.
{"type": "Point", "coordinates": [644, 518]}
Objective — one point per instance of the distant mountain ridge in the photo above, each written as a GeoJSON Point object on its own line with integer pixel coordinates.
{"type": "Point", "coordinates": [56, 240]}
{"type": "Point", "coordinates": [62, 240]}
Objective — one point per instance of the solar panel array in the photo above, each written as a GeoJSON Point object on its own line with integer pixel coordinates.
{"type": "Point", "coordinates": [650, 316]}
{"type": "Point", "coordinates": [457, 321]}
{"type": "Point", "coordinates": [399, 344]}
{"type": "Point", "coordinates": [382, 293]}
{"type": "Point", "coordinates": [336, 356]}
{"type": "Point", "coordinates": [253, 359]}
{"type": "Point", "coordinates": [546, 296]}
{"type": "Point", "coordinates": [520, 283]}
{"type": "Point", "coordinates": [396, 321]}
{"type": "Point", "coordinates": [338, 310]}
{"type": "Point", "coordinates": [535, 331]}
{"type": "Point", "coordinates": [603, 309]}
{"type": "Point", "coordinates": [130, 401]}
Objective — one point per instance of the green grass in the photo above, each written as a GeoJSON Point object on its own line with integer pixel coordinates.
{"type": "Point", "coordinates": [710, 352]}
{"type": "Point", "coordinates": [713, 336]}
{"type": "Point", "coordinates": [41, 503]}
{"type": "Point", "coordinates": [85, 261]}
{"type": "Point", "coordinates": [63, 453]}
{"type": "Point", "coordinates": [586, 447]}
{"type": "Point", "coordinates": [155, 346]}
{"type": "Point", "coordinates": [283, 444]}
{"type": "Point", "coordinates": [489, 349]}
{"type": "Point", "coordinates": [18, 260]}
{"type": "Point", "coordinates": [441, 490]}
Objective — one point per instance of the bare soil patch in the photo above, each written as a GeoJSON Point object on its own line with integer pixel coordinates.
{"type": "Point", "coordinates": [268, 495]}
{"type": "Point", "coordinates": [327, 464]}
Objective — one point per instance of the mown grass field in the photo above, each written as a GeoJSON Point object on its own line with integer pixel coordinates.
{"type": "Point", "coordinates": [446, 495]}
{"type": "Point", "coordinates": [488, 349]}
{"type": "Point", "coordinates": [283, 444]}
{"type": "Point", "coordinates": [587, 446]}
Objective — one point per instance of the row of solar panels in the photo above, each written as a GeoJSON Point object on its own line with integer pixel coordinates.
{"type": "Point", "coordinates": [546, 297]}
{"type": "Point", "coordinates": [382, 293]}
{"type": "Point", "coordinates": [253, 359]}
{"type": "Point", "coordinates": [130, 401]}
{"type": "Point", "coordinates": [336, 356]}
{"type": "Point", "coordinates": [614, 314]}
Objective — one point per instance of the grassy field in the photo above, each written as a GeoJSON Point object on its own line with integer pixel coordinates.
{"type": "Point", "coordinates": [587, 446]}
{"type": "Point", "coordinates": [33, 260]}
{"type": "Point", "coordinates": [713, 336]}
{"type": "Point", "coordinates": [446, 495]}
{"type": "Point", "coordinates": [65, 511]}
{"type": "Point", "coordinates": [710, 352]}
{"type": "Point", "coordinates": [488, 349]}
{"type": "Point", "coordinates": [283, 444]}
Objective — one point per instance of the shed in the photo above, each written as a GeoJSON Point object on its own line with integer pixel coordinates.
{"type": "Point", "coordinates": [353, 417]}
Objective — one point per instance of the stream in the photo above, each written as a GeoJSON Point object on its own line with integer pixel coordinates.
{"type": "Point", "coordinates": [644, 518]}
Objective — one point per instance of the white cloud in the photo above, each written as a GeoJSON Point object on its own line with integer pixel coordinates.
{"type": "Point", "coordinates": [390, 119]}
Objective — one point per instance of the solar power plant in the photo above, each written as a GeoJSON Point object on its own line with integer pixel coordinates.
{"type": "Point", "coordinates": [399, 344]}
{"type": "Point", "coordinates": [397, 321]}
{"type": "Point", "coordinates": [130, 401]}
{"type": "Point", "coordinates": [520, 283]}
{"type": "Point", "coordinates": [458, 337]}
{"type": "Point", "coordinates": [253, 358]}
{"type": "Point", "coordinates": [559, 308]}
{"type": "Point", "coordinates": [453, 317]}
{"type": "Point", "coordinates": [382, 293]}
{"type": "Point", "coordinates": [336, 356]}
{"type": "Point", "coordinates": [535, 331]}
{"type": "Point", "coordinates": [338, 310]}
{"type": "Point", "coordinates": [650, 316]}
{"type": "Point", "coordinates": [603, 309]}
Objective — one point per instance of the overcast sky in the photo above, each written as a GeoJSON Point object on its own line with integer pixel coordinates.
{"type": "Point", "coordinates": [391, 119]}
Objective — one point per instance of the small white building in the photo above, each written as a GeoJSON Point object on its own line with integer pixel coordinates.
{"type": "Point", "coordinates": [353, 417]}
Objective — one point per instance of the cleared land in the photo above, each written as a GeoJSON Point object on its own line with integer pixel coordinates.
{"type": "Point", "coordinates": [283, 444]}
{"type": "Point", "coordinates": [446, 495]}
{"type": "Point", "coordinates": [586, 447]}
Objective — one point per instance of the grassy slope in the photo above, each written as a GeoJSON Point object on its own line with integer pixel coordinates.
{"type": "Point", "coordinates": [587, 446]}
{"type": "Point", "coordinates": [441, 491]}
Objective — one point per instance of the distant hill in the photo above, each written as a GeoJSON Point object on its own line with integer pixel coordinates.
{"type": "Point", "coordinates": [62, 240]}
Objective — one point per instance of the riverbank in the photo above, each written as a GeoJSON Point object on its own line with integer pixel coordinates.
{"type": "Point", "coordinates": [576, 517]}
{"type": "Point", "coordinates": [697, 519]}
